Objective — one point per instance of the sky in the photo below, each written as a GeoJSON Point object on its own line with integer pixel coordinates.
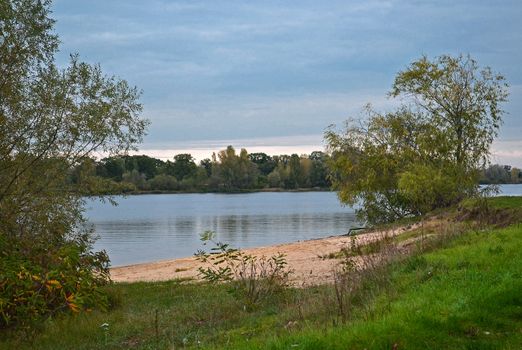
{"type": "Point", "coordinates": [273, 75]}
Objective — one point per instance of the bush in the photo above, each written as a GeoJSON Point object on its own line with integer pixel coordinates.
{"type": "Point", "coordinates": [36, 280]}
{"type": "Point", "coordinates": [254, 277]}
{"type": "Point", "coordinates": [163, 182]}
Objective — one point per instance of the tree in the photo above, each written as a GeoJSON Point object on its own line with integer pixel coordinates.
{"type": "Point", "coordinates": [51, 121]}
{"type": "Point", "coordinates": [515, 175]}
{"type": "Point", "coordinates": [112, 168]}
{"type": "Point", "coordinates": [500, 174]}
{"type": "Point", "coordinates": [496, 174]}
{"type": "Point", "coordinates": [264, 162]}
{"type": "Point", "coordinates": [319, 170]}
{"type": "Point", "coordinates": [163, 182]}
{"type": "Point", "coordinates": [248, 171]}
{"type": "Point", "coordinates": [227, 169]}
{"type": "Point", "coordinates": [234, 172]}
{"type": "Point", "coordinates": [295, 171]}
{"type": "Point", "coordinates": [147, 165]}
{"type": "Point", "coordinates": [207, 165]}
{"type": "Point", "coordinates": [427, 153]}
{"type": "Point", "coordinates": [274, 180]}
{"type": "Point", "coordinates": [183, 166]}
{"type": "Point", "coordinates": [306, 165]}
{"type": "Point", "coordinates": [463, 101]}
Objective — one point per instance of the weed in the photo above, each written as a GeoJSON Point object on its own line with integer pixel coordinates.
{"type": "Point", "coordinates": [254, 277]}
{"type": "Point", "coordinates": [360, 266]}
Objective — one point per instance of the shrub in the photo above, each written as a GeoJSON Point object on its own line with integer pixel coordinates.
{"type": "Point", "coordinates": [254, 277]}
{"type": "Point", "coordinates": [163, 182]}
{"type": "Point", "coordinates": [37, 280]}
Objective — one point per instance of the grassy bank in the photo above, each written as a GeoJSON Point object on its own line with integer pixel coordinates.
{"type": "Point", "coordinates": [462, 292]}
{"type": "Point", "coordinates": [468, 295]}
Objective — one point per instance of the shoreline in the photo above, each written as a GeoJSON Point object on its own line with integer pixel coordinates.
{"type": "Point", "coordinates": [305, 258]}
{"type": "Point", "coordinates": [261, 190]}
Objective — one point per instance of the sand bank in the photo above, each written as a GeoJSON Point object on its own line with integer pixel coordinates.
{"type": "Point", "coordinates": [305, 258]}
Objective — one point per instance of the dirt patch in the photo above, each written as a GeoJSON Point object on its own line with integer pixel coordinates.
{"type": "Point", "coordinates": [305, 258]}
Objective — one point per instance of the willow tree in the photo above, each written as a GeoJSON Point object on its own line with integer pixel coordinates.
{"type": "Point", "coordinates": [51, 120]}
{"type": "Point", "coordinates": [427, 153]}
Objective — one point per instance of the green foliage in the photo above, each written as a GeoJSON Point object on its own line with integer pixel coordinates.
{"type": "Point", "coordinates": [183, 166]}
{"type": "Point", "coordinates": [234, 172]}
{"type": "Point", "coordinates": [264, 162]}
{"type": "Point", "coordinates": [274, 179]}
{"type": "Point", "coordinates": [135, 178]}
{"type": "Point", "coordinates": [426, 154]}
{"type": "Point", "coordinates": [462, 100]}
{"type": "Point", "coordinates": [318, 173]}
{"type": "Point", "coordinates": [228, 172]}
{"type": "Point", "coordinates": [500, 174]}
{"type": "Point", "coordinates": [295, 172]}
{"type": "Point", "coordinates": [164, 182]}
{"type": "Point", "coordinates": [111, 167]}
{"type": "Point", "coordinates": [254, 277]}
{"type": "Point", "coordinates": [143, 164]}
{"type": "Point", "coordinates": [52, 121]}
{"type": "Point", "coordinates": [49, 279]}
{"type": "Point", "coordinates": [427, 187]}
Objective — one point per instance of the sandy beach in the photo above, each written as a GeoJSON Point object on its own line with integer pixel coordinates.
{"type": "Point", "coordinates": [305, 258]}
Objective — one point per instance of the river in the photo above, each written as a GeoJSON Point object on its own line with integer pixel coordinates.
{"type": "Point", "coordinates": [152, 227]}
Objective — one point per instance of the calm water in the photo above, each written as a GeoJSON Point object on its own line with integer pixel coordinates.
{"type": "Point", "coordinates": [162, 226]}
{"type": "Point", "coordinates": [153, 227]}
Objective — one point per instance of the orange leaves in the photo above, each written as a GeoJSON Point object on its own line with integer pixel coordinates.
{"type": "Point", "coordinates": [71, 304]}
{"type": "Point", "coordinates": [53, 284]}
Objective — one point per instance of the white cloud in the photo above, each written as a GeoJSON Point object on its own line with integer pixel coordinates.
{"type": "Point", "coordinates": [507, 152]}
{"type": "Point", "coordinates": [240, 117]}
{"type": "Point", "coordinates": [301, 144]}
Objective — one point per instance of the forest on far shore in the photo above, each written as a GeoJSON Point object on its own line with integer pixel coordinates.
{"type": "Point", "coordinates": [229, 171]}
{"type": "Point", "coordinates": [226, 171]}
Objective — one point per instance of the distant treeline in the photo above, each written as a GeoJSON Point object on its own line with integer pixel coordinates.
{"type": "Point", "coordinates": [501, 174]}
{"type": "Point", "coordinates": [226, 171]}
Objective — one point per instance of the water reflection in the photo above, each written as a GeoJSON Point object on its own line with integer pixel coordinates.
{"type": "Point", "coordinates": [147, 228]}
{"type": "Point", "coordinates": [135, 241]}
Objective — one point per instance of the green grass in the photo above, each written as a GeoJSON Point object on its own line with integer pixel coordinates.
{"type": "Point", "coordinates": [173, 314]}
{"type": "Point", "coordinates": [501, 202]}
{"type": "Point", "coordinates": [506, 202]}
{"type": "Point", "coordinates": [464, 294]}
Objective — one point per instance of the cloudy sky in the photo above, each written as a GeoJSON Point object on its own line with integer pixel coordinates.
{"type": "Point", "coordinates": [272, 75]}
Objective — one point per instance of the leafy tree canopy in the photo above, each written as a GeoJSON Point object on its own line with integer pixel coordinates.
{"type": "Point", "coordinates": [183, 166]}
{"type": "Point", "coordinates": [51, 121]}
{"type": "Point", "coordinates": [427, 153]}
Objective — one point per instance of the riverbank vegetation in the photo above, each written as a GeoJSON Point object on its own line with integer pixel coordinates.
{"type": "Point", "coordinates": [427, 153]}
{"type": "Point", "coordinates": [51, 119]}
{"type": "Point", "coordinates": [457, 287]}
{"type": "Point", "coordinates": [500, 174]}
{"type": "Point", "coordinates": [228, 171]}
